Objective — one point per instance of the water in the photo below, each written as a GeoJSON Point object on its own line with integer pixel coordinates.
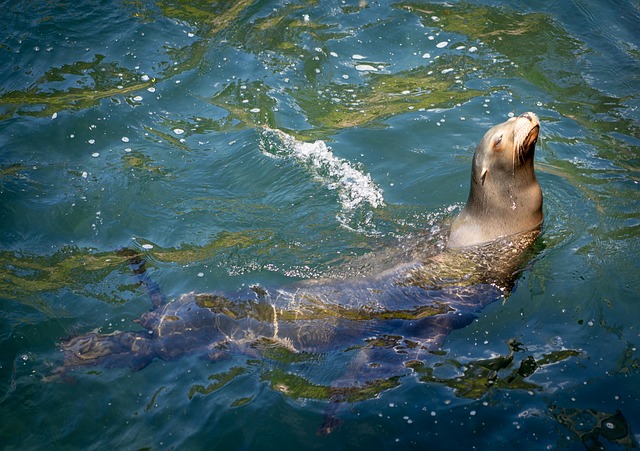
{"type": "Point", "coordinates": [151, 125]}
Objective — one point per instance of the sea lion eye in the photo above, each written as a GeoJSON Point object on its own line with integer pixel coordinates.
{"type": "Point", "coordinates": [496, 141]}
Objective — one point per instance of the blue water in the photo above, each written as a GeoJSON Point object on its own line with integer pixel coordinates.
{"type": "Point", "coordinates": [149, 125]}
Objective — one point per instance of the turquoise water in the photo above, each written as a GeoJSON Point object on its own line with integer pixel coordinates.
{"type": "Point", "coordinates": [150, 125]}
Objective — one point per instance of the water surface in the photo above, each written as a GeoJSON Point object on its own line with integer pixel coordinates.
{"type": "Point", "coordinates": [149, 125]}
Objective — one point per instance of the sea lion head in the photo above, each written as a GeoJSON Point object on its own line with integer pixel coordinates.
{"type": "Point", "coordinates": [505, 197]}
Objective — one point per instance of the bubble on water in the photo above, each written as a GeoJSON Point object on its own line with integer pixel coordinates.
{"type": "Point", "coordinates": [426, 55]}
{"type": "Point", "coordinates": [200, 274]}
{"type": "Point", "coordinates": [127, 149]}
{"type": "Point", "coordinates": [138, 98]}
{"type": "Point", "coordinates": [92, 141]}
{"type": "Point", "coordinates": [473, 49]}
{"type": "Point", "coordinates": [334, 54]}
{"type": "Point", "coordinates": [178, 131]}
{"type": "Point", "coordinates": [151, 89]}
{"type": "Point", "coordinates": [54, 115]}
{"type": "Point", "coordinates": [366, 67]}
{"type": "Point", "coordinates": [358, 57]}
{"type": "Point", "coordinates": [144, 78]}
{"type": "Point", "coordinates": [442, 44]}
{"type": "Point", "coordinates": [125, 139]}
{"type": "Point", "coordinates": [255, 110]}
{"type": "Point", "coordinates": [190, 34]}
{"type": "Point", "coordinates": [147, 246]}
{"type": "Point", "coordinates": [95, 154]}
{"type": "Point", "coordinates": [85, 175]}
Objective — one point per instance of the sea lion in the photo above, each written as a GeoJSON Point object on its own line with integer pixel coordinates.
{"type": "Point", "coordinates": [413, 304]}
{"type": "Point", "coordinates": [505, 197]}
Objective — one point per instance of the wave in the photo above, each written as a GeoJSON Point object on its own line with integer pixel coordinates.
{"type": "Point", "coordinates": [355, 188]}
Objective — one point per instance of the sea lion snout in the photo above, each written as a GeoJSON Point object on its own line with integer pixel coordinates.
{"type": "Point", "coordinates": [525, 133]}
{"type": "Point", "coordinates": [531, 116]}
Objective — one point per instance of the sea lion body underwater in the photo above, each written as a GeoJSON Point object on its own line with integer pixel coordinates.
{"type": "Point", "coordinates": [418, 301]}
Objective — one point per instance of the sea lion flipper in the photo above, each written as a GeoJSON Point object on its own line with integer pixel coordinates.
{"type": "Point", "coordinates": [138, 268]}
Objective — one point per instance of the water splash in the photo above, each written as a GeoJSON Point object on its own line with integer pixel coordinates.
{"type": "Point", "coordinates": [355, 188]}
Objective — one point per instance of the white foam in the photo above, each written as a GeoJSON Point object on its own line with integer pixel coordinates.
{"type": "Point", "coordinates": [366, 67]}
{"type": "Point", "coordinates": [354, 187]}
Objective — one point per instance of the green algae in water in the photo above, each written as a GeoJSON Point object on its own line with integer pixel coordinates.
{"type": "Point", "coordinates": [275, 350]}
{"type": "Point", "coordinates": [522, 38]}
{"type": "Point", "coordinates": [152, 401]}
{"type": "Point", "coordinates": [220, 380]}
{"type": "Point", "coordinates": [241, 401]}
{"type": "Point", "coordinates": [480, 376]}
{"type": "Point", "coordinates": [297, 387]}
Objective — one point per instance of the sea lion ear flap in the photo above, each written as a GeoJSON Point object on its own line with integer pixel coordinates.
{"type": "Point", "coordinates": [483, 175]}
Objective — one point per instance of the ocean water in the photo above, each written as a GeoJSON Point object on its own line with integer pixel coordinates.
{"type": "Point", "coordinates": [240, 143]}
